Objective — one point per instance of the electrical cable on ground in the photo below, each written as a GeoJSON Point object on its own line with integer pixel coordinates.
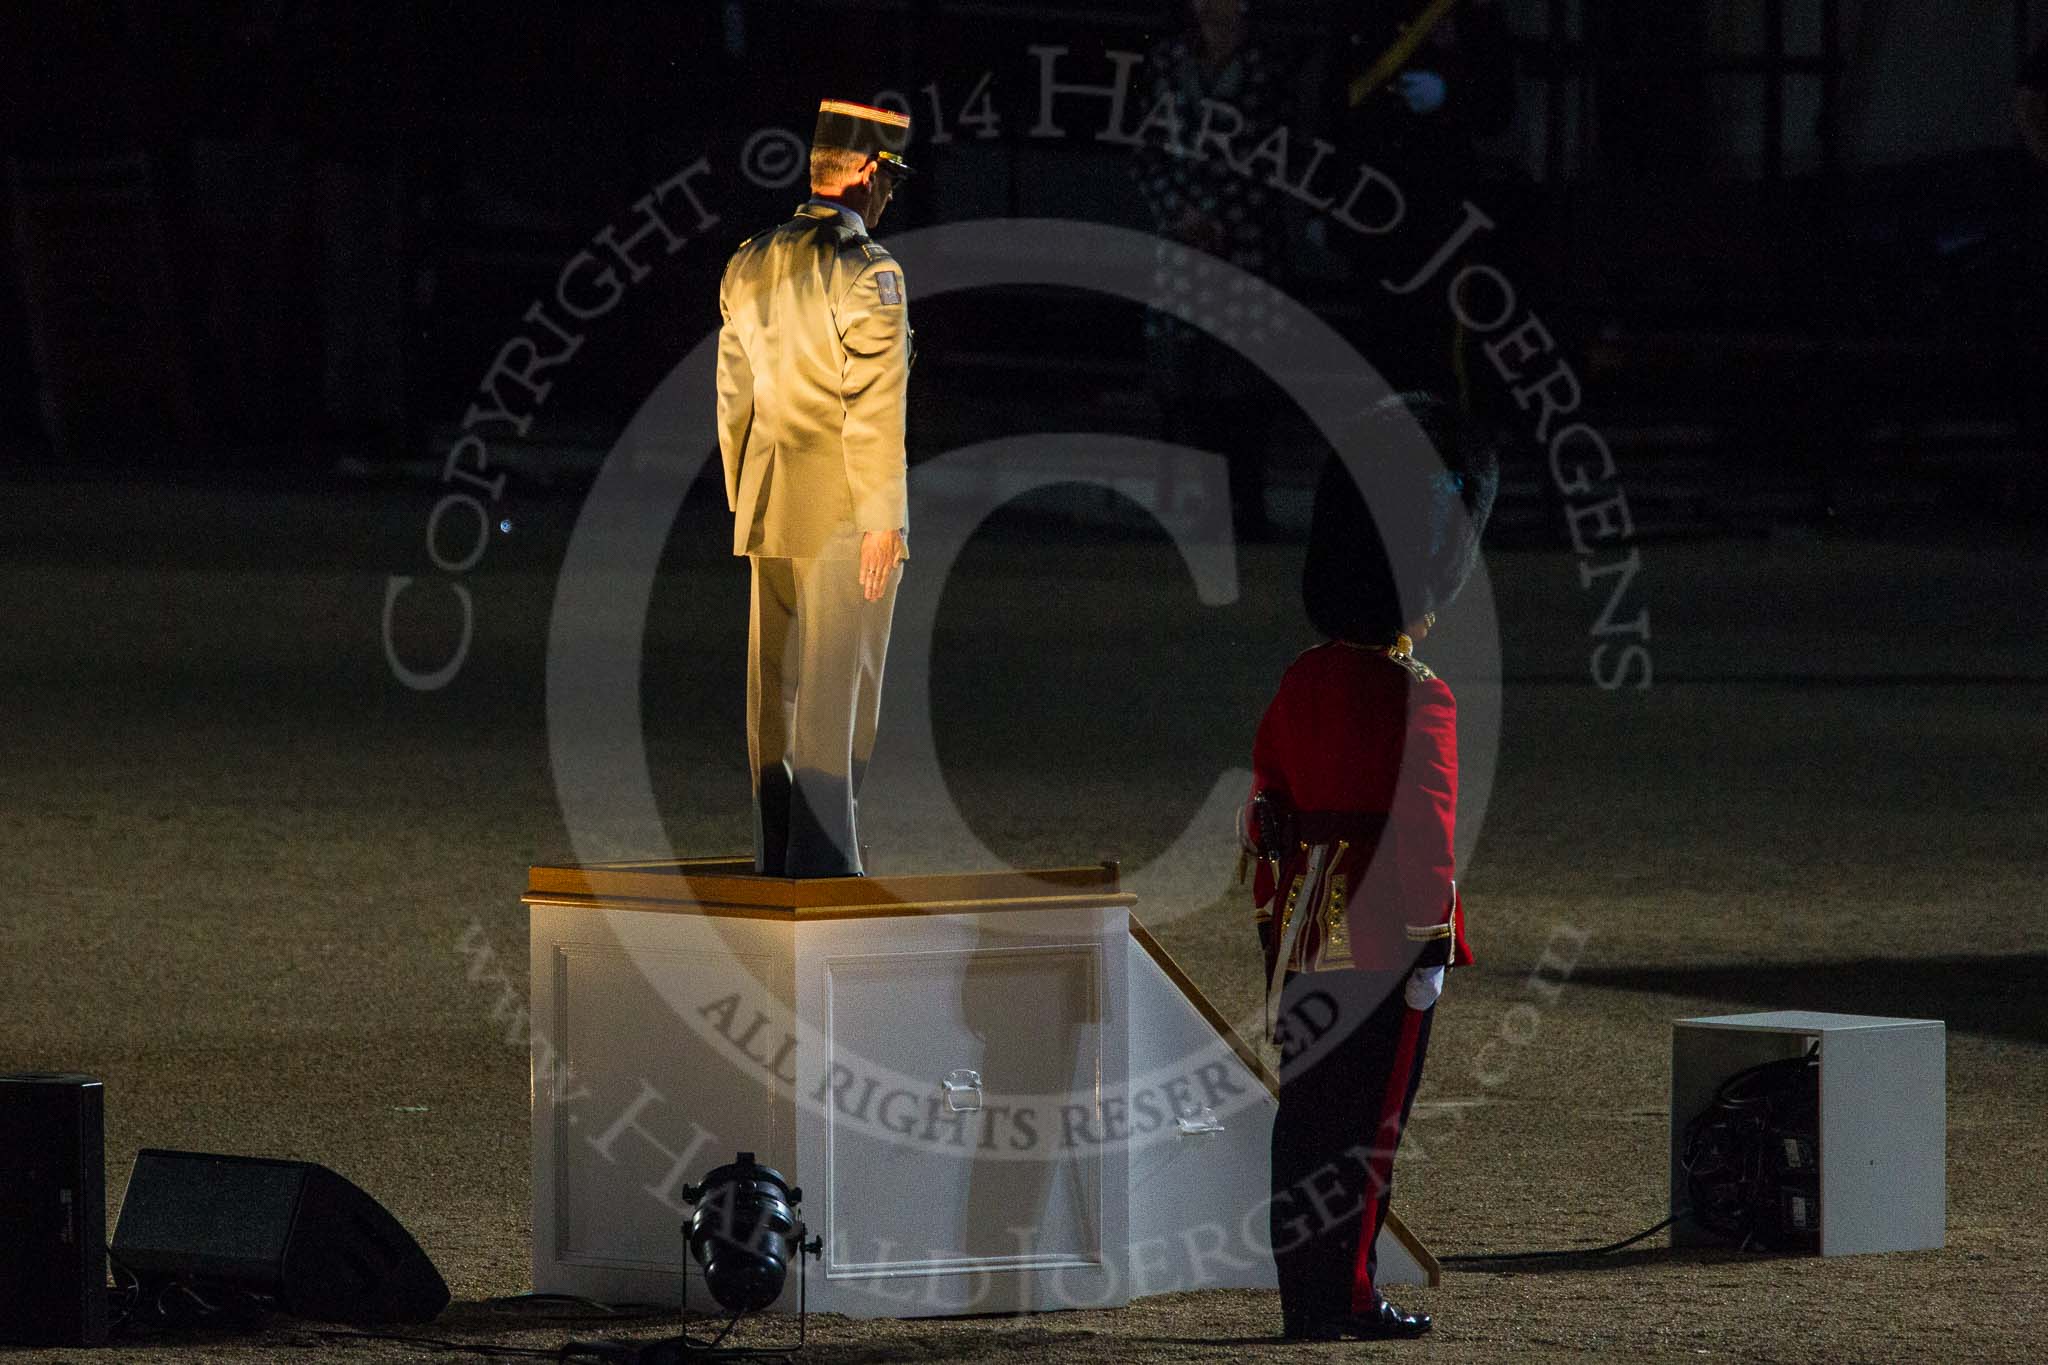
{"type": "Point", "coordinates": [1472, 1257]}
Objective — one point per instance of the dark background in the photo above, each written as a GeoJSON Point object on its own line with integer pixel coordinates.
{"type": "Point", "coordinates": [1782, 240]}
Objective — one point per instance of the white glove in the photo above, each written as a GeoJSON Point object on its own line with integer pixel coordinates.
{"type": "Point", "coordinates": [1425, 984]}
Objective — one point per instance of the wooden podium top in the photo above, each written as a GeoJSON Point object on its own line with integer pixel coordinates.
{"type": "Point", "coordinates": [729, 886]}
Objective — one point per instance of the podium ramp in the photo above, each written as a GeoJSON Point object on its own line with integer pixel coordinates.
{"type": "Point", "coordinates": [1200, 1178]}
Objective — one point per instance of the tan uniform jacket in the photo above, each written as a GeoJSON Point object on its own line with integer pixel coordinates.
{"type": "Point", "coordinates": [813, 373]}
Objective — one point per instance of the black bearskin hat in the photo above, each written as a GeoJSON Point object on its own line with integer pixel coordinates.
{"type": "Point", "coordinates": [1395, 531]}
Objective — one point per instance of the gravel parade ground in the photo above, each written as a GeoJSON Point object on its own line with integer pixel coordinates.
{"type": "Point", "coordinates": [245, 860]}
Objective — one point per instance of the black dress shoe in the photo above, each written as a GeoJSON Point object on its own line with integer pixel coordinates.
{"type": "Point", "coordinates": [1382, 1323]}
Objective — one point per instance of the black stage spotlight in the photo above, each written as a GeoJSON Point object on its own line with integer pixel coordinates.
{"type": "Point", "coordinates": [744, 1233]}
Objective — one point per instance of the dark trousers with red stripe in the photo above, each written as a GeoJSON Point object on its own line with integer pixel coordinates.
{"type": "Point", "coordinates": [1351, 1060]}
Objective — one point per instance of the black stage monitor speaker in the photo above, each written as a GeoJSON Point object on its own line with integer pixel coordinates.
{"type": "Point", "coordinates": [53, 1210]}
{"type": "Point", "coordinates": [292, 1231]}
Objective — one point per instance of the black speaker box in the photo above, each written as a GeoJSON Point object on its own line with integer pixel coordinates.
{"type": "Point", "coordinates": [53, 1210]}
{"type": "Point", "coordinates": [292, 1231]}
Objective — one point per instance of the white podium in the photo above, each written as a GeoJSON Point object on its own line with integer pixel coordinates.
{"type": "Point", "coordinates": [995, 1090]}
{"type": "Point", "coordinates": [1883, 1118]}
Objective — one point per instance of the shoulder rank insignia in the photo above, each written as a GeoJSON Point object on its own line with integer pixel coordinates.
{"type": "Point", "coordinates": [1402, 652]}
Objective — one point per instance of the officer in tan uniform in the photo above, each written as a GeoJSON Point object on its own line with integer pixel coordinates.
{"type": "Point", "coordinates": [813, 371]}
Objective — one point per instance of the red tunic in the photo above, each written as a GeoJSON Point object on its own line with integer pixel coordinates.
{"type": "Point", "coordinates": [1355, 733]}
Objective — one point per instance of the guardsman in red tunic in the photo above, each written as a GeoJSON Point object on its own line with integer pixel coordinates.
{"type": "Point", "coordinates": [1351, 818]}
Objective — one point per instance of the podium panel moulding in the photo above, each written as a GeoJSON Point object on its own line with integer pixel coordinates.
{"type": "Point", "coordinates": [996, 1090]}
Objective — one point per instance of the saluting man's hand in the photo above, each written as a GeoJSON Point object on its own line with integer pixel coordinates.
{"type": "Point", "coordinates": [879, 551]}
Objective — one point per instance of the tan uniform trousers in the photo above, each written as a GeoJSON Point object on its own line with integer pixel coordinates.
{"type": "Point", "coordinates": [815, 649]}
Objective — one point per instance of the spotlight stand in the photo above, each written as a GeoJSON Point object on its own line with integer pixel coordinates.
{"type": "Point", "coordinates": [746, 1226]}
{"type": "Point", "coordinates": [806, 1249]}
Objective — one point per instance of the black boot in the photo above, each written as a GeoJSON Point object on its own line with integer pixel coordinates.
{"type": "Point", "coordinates": [1382, 1323]}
